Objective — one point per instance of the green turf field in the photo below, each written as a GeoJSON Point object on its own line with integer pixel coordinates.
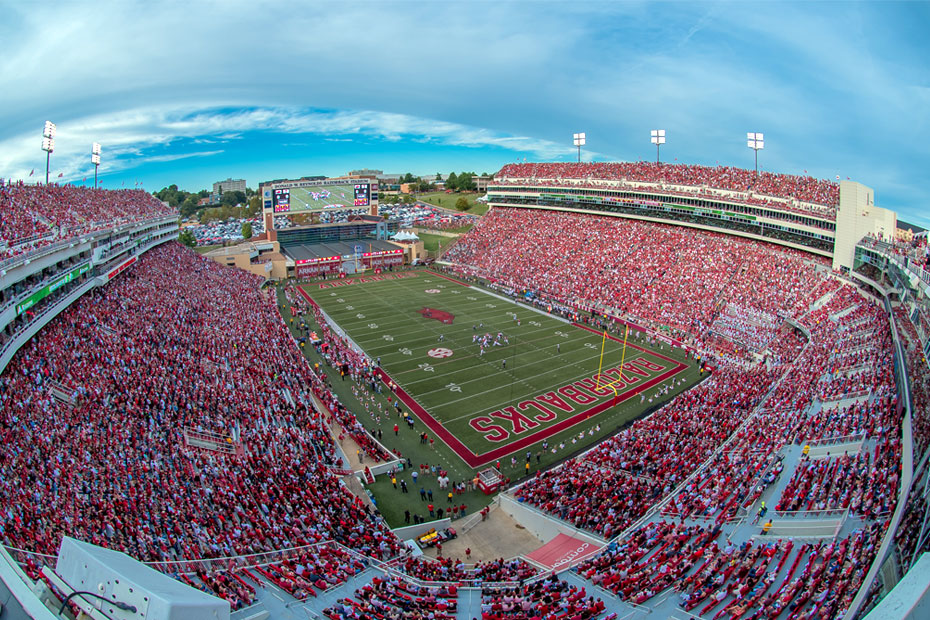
{"type": "Point", "coordinates": [539, 385]}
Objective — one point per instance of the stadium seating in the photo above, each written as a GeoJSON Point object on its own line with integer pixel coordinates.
{"type": "Point", "coordinates": [644, 271]}
{"type": "Point", "coordinates": [172, 344]}
{"type": "Point", "coordinates": [447, 569]}
{"type": "Point", "coordinates": [547, 598]}
{"type": "Point", "coordinates": [819, 197]}
{"type": "Point", "coordinates": [396, 598]}
{"type": "Point", "coordinates": [717, 578]}
{"type": "Point", "coordinates": [35, 215]}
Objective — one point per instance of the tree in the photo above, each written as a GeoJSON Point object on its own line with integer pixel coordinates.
{"type": "Point", "coordinates": [246, 230]}
{"type": "Point", "coordinates": [465, 182]}
{"type": "Point", "coordinates": [452, 181]}
{"type": "Point", "coordinates": [233, 198]}
{"type": "Point", "coordinates": [190, 205]}
{"type": "Point", "coordinates": [408, 178]}
{"type": "Point", "coordinates": [462, 204]}
{"type": "Point", "coordinates": [438, 177]}
{"type": "Point", "coordinates": [187, 238]}
{"type": "Point", "coordinates": [255, 205]}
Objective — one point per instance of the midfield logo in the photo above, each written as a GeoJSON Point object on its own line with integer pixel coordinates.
{"type": "Point", "coordinates": [440, 315]}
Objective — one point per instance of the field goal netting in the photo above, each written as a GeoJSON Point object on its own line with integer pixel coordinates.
{"type": "Point", "coordinates": [489, 480]}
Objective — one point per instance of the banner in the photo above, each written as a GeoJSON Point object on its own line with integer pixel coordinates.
{"type": "Point", "coordinates": [48, 289]}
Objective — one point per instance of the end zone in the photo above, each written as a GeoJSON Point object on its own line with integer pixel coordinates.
{"type": "Point", "coordinates": [521, 423]}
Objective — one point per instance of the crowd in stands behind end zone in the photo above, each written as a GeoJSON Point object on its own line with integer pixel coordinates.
{"type": "Point", "coordinates": [174, 342]}
{"type": "Point", "coordinates": [447, 569]}
{"type": "Point", "coordinates": [742, 580]}
{"type": "Point", "coordinates": [54, 212]}
{"type": "Point", "coordinates": [803, 188]}
{"type": "Point", "coordinates": [548, 599]}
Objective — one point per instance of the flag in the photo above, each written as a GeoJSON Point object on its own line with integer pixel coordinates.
{"type": "Point", "coordinates": [837, 177]}
{"type": "Point", "coordinates": [85, 180]}
{"type": "Point", "coordinates": [61, 174]}
{"type": "Point", "coordinates": [33, 172]}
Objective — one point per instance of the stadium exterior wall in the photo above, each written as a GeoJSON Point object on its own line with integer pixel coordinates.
{"type": "Point", "coordinates": [858, 217]}
{"type": "Point", "coordinates": [541, 525]}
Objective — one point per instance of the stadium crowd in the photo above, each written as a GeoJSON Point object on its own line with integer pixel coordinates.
{"type": "Point", "coordinates": [600, 262]}
{"type": "Point", "coordinates": [820, 196]}
{"type": "Point", "coordinates": [171, 346]}
{"type": "Point", "coordinates": [712, 451]}
{"type": "Point", "coordinates": [447, 569]}
{"type": "Point", "coordinates": [35, 215]}
{"type": "Point", "coordinates": [396, 599]}
{"type": "Point", "coordinates": [97, 406]}
{"type": "Point", "coordinates": [547, 599]}
{"type": "Point", "coordinates": [752, 579]}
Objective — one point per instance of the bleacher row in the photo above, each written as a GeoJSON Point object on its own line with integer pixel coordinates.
{"type": "Point", "coordinates": [32, 216]}
{"type": "Point", "coordinates": [807, 195]}
{"type": "Point", "coordinates": [717, 578]}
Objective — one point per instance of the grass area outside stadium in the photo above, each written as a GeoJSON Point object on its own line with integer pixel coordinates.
{"type": "Point", "coordinates": [538, 387]}
{"type": "Point", "coordinates": [435, 243]}
{"type": "Point", "coordinates": [448, 201]}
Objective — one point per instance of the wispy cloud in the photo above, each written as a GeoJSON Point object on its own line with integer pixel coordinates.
{"type": "Point", "coordinates": [132, 138]}
{"type": "Point", "coordinates": [175, 157]}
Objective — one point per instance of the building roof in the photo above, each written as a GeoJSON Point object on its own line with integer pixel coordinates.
{"type": "Point", "coordinates": [914, 228]}
{"type": "Point", "coordinates": [338, 248]}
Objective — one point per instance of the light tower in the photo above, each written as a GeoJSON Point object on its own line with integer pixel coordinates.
{"type": "Point", "coordinates": [658, 138]}
{"type": "Point", "coordinates": [48, 145]}
{"type": "Point", "coordinates": [95, 159]}
{"type": "Point", "coordinates": [756, 143]}
{"type": "Point", "coordinates": [579, 142]}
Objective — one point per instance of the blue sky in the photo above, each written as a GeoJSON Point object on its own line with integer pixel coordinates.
{"type": "Point", "coordinates": [193, 92]}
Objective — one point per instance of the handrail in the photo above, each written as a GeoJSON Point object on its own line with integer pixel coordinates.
{"type": "Point", "coordinates": [64, 242]}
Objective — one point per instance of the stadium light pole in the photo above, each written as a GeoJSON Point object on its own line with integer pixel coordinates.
{"type": "Point", "coordinates": [657, 138]}
{"type": "Point", "coordinates": [579, 142]}
{"type": "Point", "coordinates": [756, 143]}
{"type": "Point", "coordinates": [48, 145]}
{"type": "Point", "coordinates": [95, 159]}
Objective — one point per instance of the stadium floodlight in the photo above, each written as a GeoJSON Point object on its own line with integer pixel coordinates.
{"type": "Point", "coordinates": [48, 144]}
{"type": "Point", "coordinates": [756, 142]}
{"type": "Point", "coordinates": [579, 142]}
{"type": "Point", "coordinates": [657, 138]}
{"type": "Point", "coordinates": [95, 159]}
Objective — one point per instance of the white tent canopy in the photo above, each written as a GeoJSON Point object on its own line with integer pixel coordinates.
{"type": "Point", "coordinates": [405, 235]}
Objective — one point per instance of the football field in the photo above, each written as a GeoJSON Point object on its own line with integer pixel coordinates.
{"type": "Point", "coordinates": [489, 376]}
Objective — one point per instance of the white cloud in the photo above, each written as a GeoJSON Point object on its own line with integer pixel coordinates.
{"type": "Point", "coordinates": [129, 138]}
{"type": "Point", "coordinates": [162, 158]}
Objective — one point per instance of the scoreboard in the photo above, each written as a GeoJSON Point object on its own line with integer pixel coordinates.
{"type": "Point", "coordinates": [282, 200]}
{"type": "Point", "coordinates": [362, 195]}
{"type": "Point", "coordinates": [308, 195]}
